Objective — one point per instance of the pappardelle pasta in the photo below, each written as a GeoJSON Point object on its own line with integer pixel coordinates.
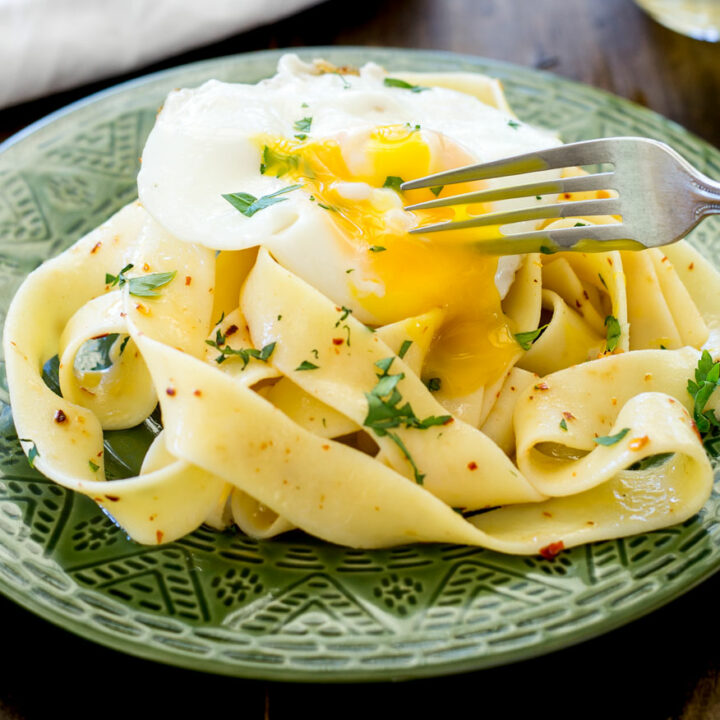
{"type": "Point", "coordinates": [318, 368]}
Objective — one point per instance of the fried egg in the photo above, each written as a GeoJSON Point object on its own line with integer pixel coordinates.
{"type": "Point", "coordinates": [324, 154]}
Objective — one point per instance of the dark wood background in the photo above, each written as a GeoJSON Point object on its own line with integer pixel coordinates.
{"type": "Point", "coordinates": [665, 666]}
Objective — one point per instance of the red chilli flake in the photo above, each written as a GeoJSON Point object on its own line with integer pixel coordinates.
{"type": "Point", "coordinates": [338, 341]}
{"type": "Point", "coordinates": [188, 279]}
{"type": "Point", "coordinates": [551, 550]}
{"type": "Point", "coordinates": [231, 330]}
{"type": "Point", "coordinates": [159, 535]}
{"type": "Point", "coordinates": [472, 465]}
{"type": "Point", "coordinates": [197, 393]}
{"type": "Point", "coordinates": [60, 416]}
{"type": "Point", "coordinates": [112, 498]}
{"type": "Point", "coordinates": [541, 386]}
{"type": "Point", "coordinates": [568, 415]}
{"type": "Point", "coordinates": [96, 247]}
{"type": "Point", "coordinates": [639, 443]}
{"type": "Point", "coordinates": [170, 391]}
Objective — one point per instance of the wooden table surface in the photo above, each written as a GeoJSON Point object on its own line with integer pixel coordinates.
{"type": "Point", "coordinates": [664, 666]}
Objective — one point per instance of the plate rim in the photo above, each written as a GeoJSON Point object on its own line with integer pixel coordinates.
{"type": "Point", "coordinates": [140, 648]}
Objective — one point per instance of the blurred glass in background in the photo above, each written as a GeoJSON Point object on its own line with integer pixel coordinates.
{"type": "Point", "coordinates": [697, 18]}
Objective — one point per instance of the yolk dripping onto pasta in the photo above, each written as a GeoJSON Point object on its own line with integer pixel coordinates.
{"type": "Point", "coordinates": [352, 178]}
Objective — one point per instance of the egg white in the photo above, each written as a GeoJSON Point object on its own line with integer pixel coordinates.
{"type": "Point", "coordinates": [204, 145]}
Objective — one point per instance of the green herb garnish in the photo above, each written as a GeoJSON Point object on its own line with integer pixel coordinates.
{"type": "Point", "coordinates": [94, 354]}
{"type": "Point", "coordinates": [384, 412]}
{"type": "Point", "coordinates": [93, 466]}
{"type": "Point", "coordinates": [651, 461]}
{"type": "Point", "coordinates": [345, 312]}
{"type": "Point", "coordinates": [393, 182]}
{"type": "Point", "coordinates": [248, 204]}
{"type": "Point", "coordinates": [545, 250]}
{"type": "Point", "coordinates": [612, 439]}
{"type": "Point", "coordinates": [404, 348]}
{"type": "Point", "coordinates": [434, 384]}
{"type": "Point", "coordinates": [281, 163]}
{"type": "Point", "coordinates": [613, 332]}
{"type": "Point", "coordinates": [33, 453]}
{"type": "Point", "coordinates": [303, 126]}
{"type": "Point", "coordinates": [436, 190]}
{"type": "Point", "coordinates": [707, 378]}
{"type": "Point", "coordinates": [119, 279]}
{"type": "Point", "coordinates": [305, 365]}
{"type": "Point", "coordinates": [397, 83]}
{"type": "Point", "coordinates": [526, 339]}
{"type": "Point", "coordinates": [146, 285]}
{"type": "Point", "coordinates": [514, 124]}
{"type": "Point", "coordinates": [563, 425]}
{"type": "Point", "coordinates": [377, 248]}
{"type": "Point", "coordinates": [143, 286]}
{"type": "Point", "coordinates": [244, 353]}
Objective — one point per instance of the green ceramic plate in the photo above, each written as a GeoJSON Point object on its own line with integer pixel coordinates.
{"type": "Point", "coordinates": [296, 608]}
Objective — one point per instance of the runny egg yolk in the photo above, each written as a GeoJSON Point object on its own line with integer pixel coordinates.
{"type": "Point", "coordinates": [355, 178]}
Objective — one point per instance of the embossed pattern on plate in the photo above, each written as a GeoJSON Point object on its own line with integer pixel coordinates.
{"type": "Point", "coordinates": [295, 608]}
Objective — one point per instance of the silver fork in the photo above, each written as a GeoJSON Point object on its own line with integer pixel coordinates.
{"type": "Point", "coordinates": [659, 195]}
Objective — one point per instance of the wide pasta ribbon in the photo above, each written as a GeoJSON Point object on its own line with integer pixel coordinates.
{"type": "Point", "coordinates": [462, 466]}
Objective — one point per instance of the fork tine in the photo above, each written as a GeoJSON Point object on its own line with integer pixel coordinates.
{"type": "Point", "coordinates": [599, 181]}
{"type": "Point", "coordinates": [600, 238]}
{"type": "Point", "coordinates": [610, 206]}
{"type": "Point", "coordinates": [581, 153]}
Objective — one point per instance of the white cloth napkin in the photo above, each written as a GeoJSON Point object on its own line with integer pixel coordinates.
{"type": "Point", "coordinates": [52, 45]}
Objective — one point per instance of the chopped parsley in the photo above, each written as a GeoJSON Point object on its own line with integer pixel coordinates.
{"type": "Point", "coordinates": [526, 339]}
{"type": "Point", "coordinates": [613, 332]}
{"type": "Point", "coordinates": [345, 312]}
{"type": "Point", "coordinates": [602, 280]}
{"type": "Point", "coordinates": [707, 378]}
{"type": "Point", "coordinates": [433, 384]}
{"type": "Point", "coordinates": [119, 279]}
{"type": "Point", "coordinates": [245, 353]}
{"type": "Point", "coordinates": [580, 224]}
{"type": "Point", "coordinates": [514, 124]}
{"type": "Point", "coordinates": [93, 466]}
{"type": "Point", "coordinates": [94, 354]}
{"type": "Point", "coordinates": [143, 286]}
{"type": "Point", "coordinates": [377, 248]}
{"type": "Point", "coordinates": [436, 190]}
{"type": "Point", "coordinates": [384, 412]}
{"type": "Point", "coordinates": [651, 461]}
{"type": "Point", "coordinates": [248, 204]}
{"type": "Point", "coordinates": [277, 163]}
{"type": "Point", "coordinates": [397, 83]}
{"type": "Point", "coordinates": [545, 250]}
{"type": "Point", "coordinates": [327, 207]}
{"type": "Point", "coordinates": [33, 453]}
{"type": "Point", "coordinates": [612, 439]}
{"type": "Point", "coordinates": [404, 348]}
{"type": "Point", "coordinates": [303, 126]}
{"type": "Point", "coordinates": [563, 425]}
{"type": "Point", "coordinates": [393, 182]}
{"type": "Point", "coordinates": [123, 344]}
{"type": "Point", "coordinates": [305, 365]}
{"type": "Point", "coordinates": [147, 285]}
